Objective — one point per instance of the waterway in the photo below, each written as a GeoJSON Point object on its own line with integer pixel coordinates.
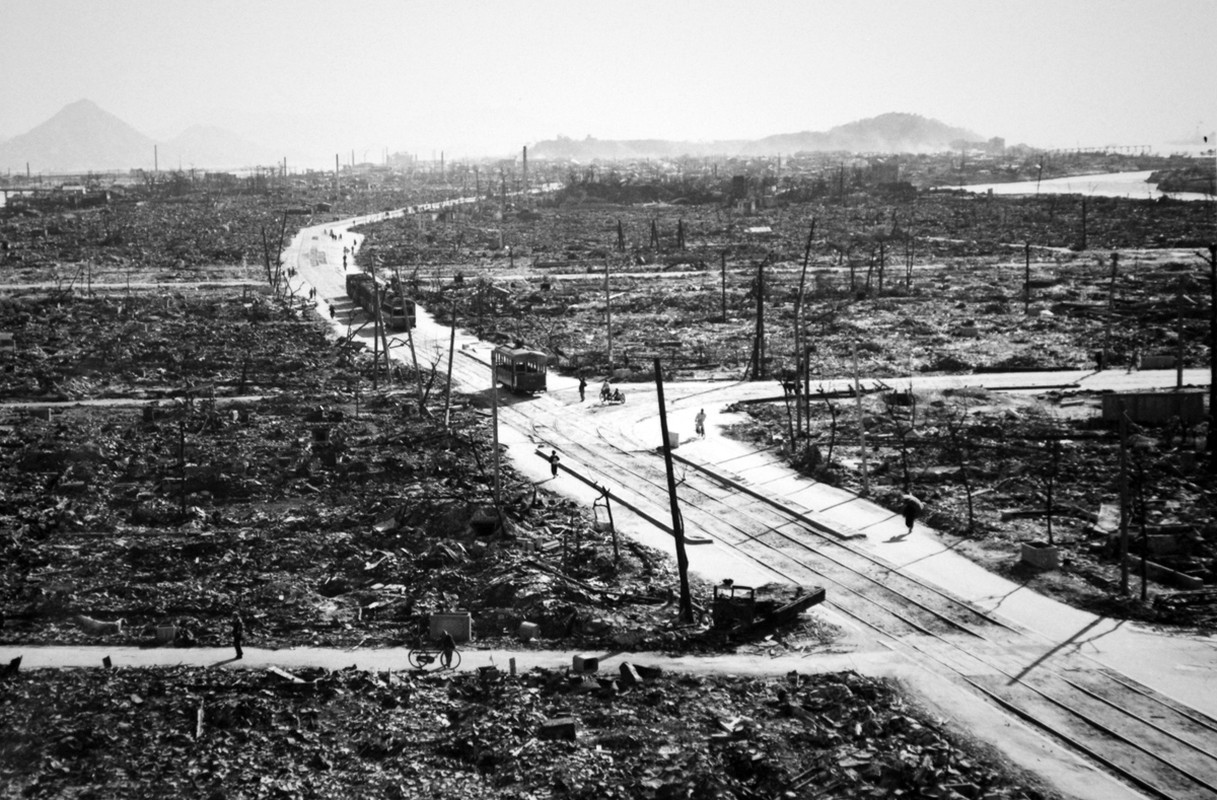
{"type": "Point", "coordinates": [1110, 184]}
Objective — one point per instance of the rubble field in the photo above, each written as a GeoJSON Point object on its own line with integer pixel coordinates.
{"type": "Point", "coordinates": [270, 476]}
{"type": "Point", "coordinates": [938, 283]}
{"type": "Point", "coordinates": [639, 733]}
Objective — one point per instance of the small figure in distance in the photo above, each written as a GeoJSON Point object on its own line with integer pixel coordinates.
{"type": "Point", "coordinates": [553, 462]}
{"type": "Point", "coordinates": [238, 634]}
{"type": "Point", "coordinates": [700, 423]}
{"type": "Point", "coordinates": [582, 388]}
{"type": "Point", "coordinates": [911, 508]}
{"type": "Point", "coordinates": [606, 392]}
{"type": "Point", "coordinates": [447, 646]}
{"type": "Point", "coordinates": [618, 397]}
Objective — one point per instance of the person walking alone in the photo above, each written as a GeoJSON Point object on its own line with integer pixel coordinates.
{"type": "Point", "coordinates": [700, 421]}
{"type": "Point", "coordinates": [553, 463]}
{"type": "Point", "coordinates": [911, 508]}
{"type": "Point", "coordinates": [238, 633]}
{"type": "Point", "coordinates": [582, 388]}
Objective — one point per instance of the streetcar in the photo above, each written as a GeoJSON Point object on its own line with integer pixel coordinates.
{"type": "Point", "coordinates": [519, 369]}
{"type": "Point", "coordinates": [396, 310]}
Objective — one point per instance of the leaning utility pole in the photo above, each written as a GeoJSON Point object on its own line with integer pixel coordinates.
{"type": "Point", "coordinates": [678, 524]}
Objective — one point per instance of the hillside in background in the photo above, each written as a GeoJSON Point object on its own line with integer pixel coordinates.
{"type": "Point", "coordinates": [887, 133]}
{"type": "Point", "coordinates": [84, 137]}
{"type": "Point", "coordinates": [81, 136]}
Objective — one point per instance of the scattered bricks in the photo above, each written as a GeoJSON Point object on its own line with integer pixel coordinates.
{"type": "Point", "coordinates": [559, 728]}
{"type": "Point", "coordinates": [528, 631]}
{"type": "Point", "coordinates": [585, 664]}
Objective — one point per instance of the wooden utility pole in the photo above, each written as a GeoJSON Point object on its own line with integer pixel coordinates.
{"type": "Point", "coordinates": [758, 342]}
{"type": "Point", "coordinates": [375, 332]}
{"type": "Point", "coordinates": [1124, 501]}
{"type": "Point", "coordinates": [451, 351]}
{"type": "Point", "coordinates": [1111, 308]}
{"type": "Point", "coordinates": [1179, 338]}
{"type": "Point", "coordinates": [861, 424]}
{"type": "Point", "coordinates": [678, 524]}
{"type": "Point", "coordinates": [494, 416]}
{"type": "Point", "coordinates": [798, 334]}
{"type": "Point", "coordinates": [723, 254]}
{"type": "Point", "coordinates": [1211, 444]}
{"type": "Point", "coordinates": [608, 315]}
{"type": "Point", "coordinates": [1027, 278]}
{"type": "Point", "coordinates": [1083, 242]}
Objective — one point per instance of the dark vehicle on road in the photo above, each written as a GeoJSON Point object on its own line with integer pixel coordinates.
{"type": "Point", "coordinates": [519, 369]}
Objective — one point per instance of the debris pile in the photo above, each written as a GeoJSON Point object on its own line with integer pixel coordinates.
{"type": "Point", "coordinates": [634, 733]}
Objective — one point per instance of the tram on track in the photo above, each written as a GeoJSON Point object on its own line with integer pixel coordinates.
{"type": "Point", "coordinates": [519, 369]}
{"type": "Point", "coordinates": [396, 309]}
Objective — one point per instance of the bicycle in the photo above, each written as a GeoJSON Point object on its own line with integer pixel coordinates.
{"type": "Point", "coordinates": [423, 655]}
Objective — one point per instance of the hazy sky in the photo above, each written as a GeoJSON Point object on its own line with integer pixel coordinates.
{"type": "Point", "coordinates": [487, 77]}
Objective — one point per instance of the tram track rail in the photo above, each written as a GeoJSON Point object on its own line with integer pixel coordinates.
{"type": "Point", "coordinates": [1097, 722]}
{"type": "Point", "coordinates": [1146, 740]}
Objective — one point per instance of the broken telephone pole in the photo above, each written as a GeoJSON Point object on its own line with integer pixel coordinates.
{"type": "Point", "coordinates": [678, 524]}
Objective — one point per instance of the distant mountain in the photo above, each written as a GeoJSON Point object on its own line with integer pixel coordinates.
{"type": "Point", "coordinates": [887, 133]}
{"type": "Point", "coordinates": [80, 137]}
{"type": "Point", "coordinates": [84, 137]}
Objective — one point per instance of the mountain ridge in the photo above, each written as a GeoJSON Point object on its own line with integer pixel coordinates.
{"type": "Point", "coordinates": [82, 137]}
{"type": "Point", "coordinates": [894, 132]}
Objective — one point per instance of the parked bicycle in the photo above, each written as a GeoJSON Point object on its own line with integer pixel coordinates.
{"type": "Point", "coordinates": [423, 654]}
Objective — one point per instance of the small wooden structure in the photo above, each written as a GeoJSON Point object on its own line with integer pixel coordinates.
{"type": "Point", "coordinates": [519, 369]}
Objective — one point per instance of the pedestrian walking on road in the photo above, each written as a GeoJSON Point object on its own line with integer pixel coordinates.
{"type": "Point", "coordinates": [553, 462]}
{"type": "Point", "coordinates": [238, 633]}
{"type": "Point", "coordinates": [447, 646]}
{"type": "Point", "coordinates": [911, 508]}
{"type": "Point", "coordinates": [700, 421]}
{"type": "Point", "coordinates": [331, 310]}
{"type": "Point", "coordinates": [582, 388]}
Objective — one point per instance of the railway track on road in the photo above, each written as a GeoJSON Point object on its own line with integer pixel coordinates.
{"type": "Point", "coordinates": [1144, 738]}
{"type": "Point", "coordinates": [1147, 740]}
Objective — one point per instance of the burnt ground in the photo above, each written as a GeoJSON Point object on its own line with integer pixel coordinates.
{"type": "Point", "coordinates": [545, 733]}
{"type": "Point", "coordinates": [940, 283]}
{"type": "Point", "coordinates": [330, 513]}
